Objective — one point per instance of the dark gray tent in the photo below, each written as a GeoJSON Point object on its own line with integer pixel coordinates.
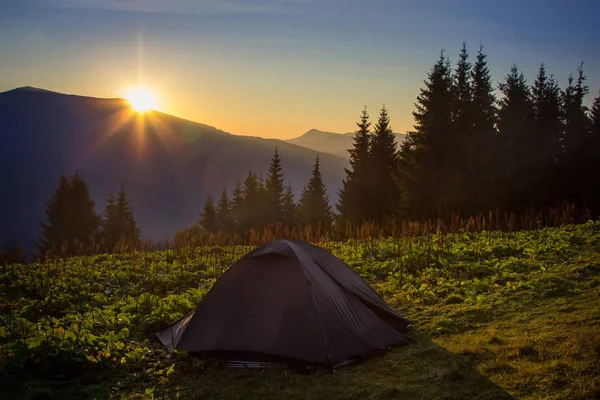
{"type": "Point", "coordinates": [291, 302]}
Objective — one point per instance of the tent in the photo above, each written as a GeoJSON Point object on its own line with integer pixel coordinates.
{"type": "Point", "coordinates": [288, 302]}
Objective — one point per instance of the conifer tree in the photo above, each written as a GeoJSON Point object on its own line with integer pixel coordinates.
{"type": "Point", "coordinates": [252, 210]}
{"type": "Point", "coordinates": [480, 183]}
{"type": "Point", "coordinates": [55, 231]}
{"type": "Point", "coordinates": [237, 207]}
{"type": "Point", "coordinates": [353, 202]}
{"type": "Point", "coordinates": [516, 146]}
{"type": "Point", "coordinates": [424, 160]}
{"type": "Point", "coordinates": [110, 223]}
{"type": "Point", "coordinates": [575, 163]}
{"type": "Point", "coordinates": [314, 209]}
{"type": "Point", "coordinates": [71, 218]}
{"type": "Point", "coordinates": [462, 97]}
{"type": "Point", "coordinates": [593, 149]}
{"type": "Point", "coordinates": [209, 216]}
{"type": "Point", "coordinates": [484, 101]}
{"type": "Point", "coordinates": [131, 230]}
{"type": "Point", "coordinates": [382, 166]}
{"type": "Point", "coordinates": [289, 208]}
{"type": "Point", "coordinates": [274, 191]}
{"type": "Point", "coordinates": [118, 224]}
{"type": "Point", "coordinates": [85, 221]}
{"type": "Point", "coordinates": [223, 213]}
{"type": "Point", "coordinates": [547, 131]}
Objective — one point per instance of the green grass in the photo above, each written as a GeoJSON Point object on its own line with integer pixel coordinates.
{"type": "Point", "coordinates": [495, 316]}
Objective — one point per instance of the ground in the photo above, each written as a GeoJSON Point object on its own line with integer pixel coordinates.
{"type": "Point", "coordinates": [526, 326]}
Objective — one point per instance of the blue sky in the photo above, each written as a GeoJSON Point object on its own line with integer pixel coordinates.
{"type": "Point", "coordinates": [277, 68]}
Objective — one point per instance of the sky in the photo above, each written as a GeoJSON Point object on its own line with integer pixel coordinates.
{"type": "Point", "coordinates": [277, 68]}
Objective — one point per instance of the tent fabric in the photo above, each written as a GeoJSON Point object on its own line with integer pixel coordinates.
{"type": "Point", "coordinates": [290, 301]}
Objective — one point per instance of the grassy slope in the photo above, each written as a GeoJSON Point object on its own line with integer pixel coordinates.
{"type": "Point", "coordinates": [537, 343]}
{"type": "Point", "coordinates": [537, 339]}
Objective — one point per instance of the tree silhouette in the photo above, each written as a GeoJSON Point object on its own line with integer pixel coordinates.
{"type": "Point", "coordinates": [314, 209]}
{"type": "Point", "coordinates": [71, 224]}
{"type": "Point", "coordinates": [223, 213]}
{"type": "Point", "coordinates": [353, 204]}
{"type": "Point", "coordinates": [575, 161]}
{"type": "Point", "coordinates": [251, 210]}
{"type": "Point", "coordinates": [424, 159]}
{"type": "Point", "coordinates": [547, 132]}
{"type": "Point", "coordinates": [289, 208]}
{"type": "Point", "coordinates": [516, 145]}
{"type": "Point", "coordinates": [481, 157]}
{"type": "Point", "coordinates": [462, 118]}
{"type": "Point", "coordinates": [208, 218]}
{"type": "Point", "coordinates": [274, 191]}
{"type": "Point", "coordinates": [237, 207]}
{"type": "Point", "coordinates": [118, 224]}
{"type": "Point", "coordinates": [383, 164]}
{"type": "Point", "coordinates": [593, 149]}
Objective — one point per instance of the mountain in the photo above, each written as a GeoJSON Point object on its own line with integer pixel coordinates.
{"type": "Point", "coordinates": [332, 143]}
{"type": "Point", "coordinates": [168, 165]}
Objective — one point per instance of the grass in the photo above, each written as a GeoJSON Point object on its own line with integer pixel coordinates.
{"type": "Point", "coordinates": [527, 327]}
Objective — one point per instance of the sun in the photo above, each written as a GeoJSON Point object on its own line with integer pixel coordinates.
{"type": "Point", "coordinates": [141, 99]}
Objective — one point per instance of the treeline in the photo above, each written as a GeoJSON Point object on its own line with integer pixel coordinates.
{"type": "Point", "coordinates": [259, 204]}
{"type": "Point", "coordinates": [534, 147]}
{"type": "Point", "coordinates": [72, 226]}
{"type": "Point", "coordinates": [532, 150]}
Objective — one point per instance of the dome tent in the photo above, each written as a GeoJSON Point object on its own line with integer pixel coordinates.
{"type": "Point", "coordinates": [288, 302]}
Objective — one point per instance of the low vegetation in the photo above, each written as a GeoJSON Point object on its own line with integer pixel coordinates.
{"type": "Point", "coordinates": [496, 315]}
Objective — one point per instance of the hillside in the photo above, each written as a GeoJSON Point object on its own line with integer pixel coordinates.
{"type": "Point", "coordinates": [168, 165]}
{"type": "Point", "coordinates": [496, 316]}
{"type": "Point", "coordinates": [332, 143]}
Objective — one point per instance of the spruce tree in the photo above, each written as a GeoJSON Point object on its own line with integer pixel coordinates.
{"type": "Point", "coordinates": [424, 160]}
{"type": "Point", "coordinates": [84, 220]}
{"type": "Point", "coordinates": [111, 227]}
{"type": "Point", "coordinates": [237, 207]}
{"type": "Point", "coordinates": [547, 131]}
{"type": "Point", "coordinates": [131, 231]}
{"type": "Point", "coordinates": [55, 231]}
{"type": "Point", "coordinates": [118, 224]}
{"type": "Point", "coordinates": [575, 163]}
{"type": "Point", "coordinates": [593, 149]}
{"type": "Point", "coordinates": [353, 204]}
{"type": "Point", "coordinates": [516, 145]}
{"type": "Point", "coordinates": [71, 224]}
{"type": "Point", "coordinates": [261, 214]}
{"type": "Point", "coordinates": [209, 215]}
{"type": "Point", "coordinates": [382, 166]}
{"type": "Point", "coordinates": [482, 172]}
{"type": "Point", "coordinates": [484, 101]}
{"type": "Point", "coordinates": [274, 191]}
{"type": "Point", "coordinates": [251, 210]}
{"type": "Point", "coordinates": [289, 208]}
{"type": "Point", "coordinates": [462, 97]}
{"type": "Point", "coordinates": [314, 209]}
{"type": "Point", "coordinates": [224, 218]}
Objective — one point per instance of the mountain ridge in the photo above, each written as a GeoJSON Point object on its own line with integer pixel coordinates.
{"type": "Point", "coordinates": [169, 165]}
{"type": "Point", "coordinates": [333, 143]}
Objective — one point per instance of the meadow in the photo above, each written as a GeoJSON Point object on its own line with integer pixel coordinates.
{"type": "Point", "coordinates": [495, 315]}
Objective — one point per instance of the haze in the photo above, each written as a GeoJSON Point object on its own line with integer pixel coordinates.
{"type": "Point", "coordinates": [279, 68]}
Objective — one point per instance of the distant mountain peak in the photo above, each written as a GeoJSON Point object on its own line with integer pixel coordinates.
{"type": "Point", "coordinates": [31, 89]}
{"type": "Point", "coordinates": [337, 144]}
{"type": "Point", "coordinates": [314, 132]}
